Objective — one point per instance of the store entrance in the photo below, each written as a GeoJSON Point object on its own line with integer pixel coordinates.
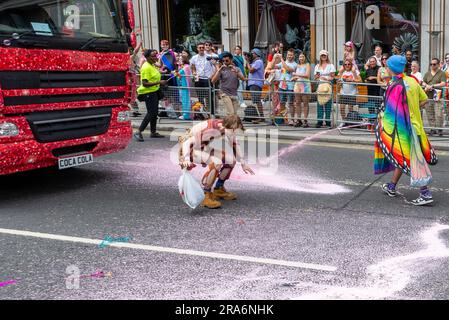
{"type": "Point", "coordinates": [292, 22]}
{"type": "Point", "coordinates": [185, 23]}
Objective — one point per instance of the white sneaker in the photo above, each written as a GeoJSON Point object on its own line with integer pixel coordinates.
{"type": "Point", "coordinates": [243, 105]}
{"type": "Point", "coordinates": [422, 201]}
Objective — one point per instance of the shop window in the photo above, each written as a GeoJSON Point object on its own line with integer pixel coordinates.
{"type": "Point", "coordinates": [292, 22]}
{"type": "Point", "coordinates": [188, 22]}
{"type": "Point", "coordinates": [393, 24]}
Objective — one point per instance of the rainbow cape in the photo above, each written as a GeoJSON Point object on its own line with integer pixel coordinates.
{"type": "Point", "coordinates": [397, 144]}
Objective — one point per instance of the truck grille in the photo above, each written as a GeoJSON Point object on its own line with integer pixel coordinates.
{"type": "Point", "coordinates": [32, 80]}
{"type": "Point", "coordinates": [54, 126]}
{"type": "Point", "coordinates": [44, 99]}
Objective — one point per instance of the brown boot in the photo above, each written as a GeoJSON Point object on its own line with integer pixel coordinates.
{"type": "Point", "coordinates": [210, 202]}
{"type": "Point", "coordinates": [221, 193]}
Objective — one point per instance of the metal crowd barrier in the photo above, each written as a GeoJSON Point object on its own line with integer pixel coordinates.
{"type": "Point", "coordinates": [435, 113]}
{"type": "Point", "coordinates": [362, 108]}
{"type": "Point", "coordinates": [186, 103]}
{"type": "Point", "coordinates": [358, 104]}
{"type": "Point", "coordinates": [273, 105]}
{"type": "Point", "coordinates": [300, 108]}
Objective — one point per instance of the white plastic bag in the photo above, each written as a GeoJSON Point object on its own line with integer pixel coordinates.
{"type": "Point", "coordinates": [190, 190]}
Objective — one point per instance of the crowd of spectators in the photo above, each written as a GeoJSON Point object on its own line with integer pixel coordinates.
{"type": "Point", "coordinates": [292, 80]}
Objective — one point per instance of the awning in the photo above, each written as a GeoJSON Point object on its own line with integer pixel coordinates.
{"type": "Point", "coordinates": [361, 36]}
{"type": "Point", "coordinates": [268, 32]}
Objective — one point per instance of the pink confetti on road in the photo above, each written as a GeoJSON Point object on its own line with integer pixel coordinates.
{"type": "Point", "coordinates": [4, 284]}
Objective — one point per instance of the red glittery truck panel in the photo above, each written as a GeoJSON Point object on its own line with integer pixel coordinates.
{"type": "Point", "coordinates": [19, 59]}
{"type": "Point", "coordinates": [23, 152]}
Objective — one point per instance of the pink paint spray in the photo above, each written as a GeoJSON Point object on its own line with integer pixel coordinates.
{"type": "Point", "coordinates": [306, 184]}
{"type": "Point", "coordinates": [301, 143]}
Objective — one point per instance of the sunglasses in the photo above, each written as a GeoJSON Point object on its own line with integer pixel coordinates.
{"type": "Point", "coordinates": [348, 64]}
{"type": "Point", "coordinates": [434, 64]}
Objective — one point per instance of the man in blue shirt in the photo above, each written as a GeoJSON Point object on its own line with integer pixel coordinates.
{"type": "Point", "coordinates": [256, 80]}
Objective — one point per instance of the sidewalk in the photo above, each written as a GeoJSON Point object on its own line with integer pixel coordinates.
{"type": "Point", "coordinates": [345, 136]}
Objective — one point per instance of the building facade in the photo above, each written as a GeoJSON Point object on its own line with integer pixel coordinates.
{"type": "Point", "coordinates": [307, 25]}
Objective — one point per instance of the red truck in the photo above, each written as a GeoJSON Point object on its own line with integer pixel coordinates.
{"type": "Point", "coordinates": [65, 82]}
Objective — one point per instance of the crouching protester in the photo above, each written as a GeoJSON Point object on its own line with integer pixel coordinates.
{"type": "Point", "coordinates": [402, 145]}
{"type": "Point", "coordinates": [213, 144]}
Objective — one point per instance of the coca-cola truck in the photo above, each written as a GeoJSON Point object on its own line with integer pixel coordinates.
{"type": "Point", "coordinates": [65, 81]}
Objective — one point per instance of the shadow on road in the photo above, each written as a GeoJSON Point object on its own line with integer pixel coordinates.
{"type": "Point", "coordinates": [50, 181]}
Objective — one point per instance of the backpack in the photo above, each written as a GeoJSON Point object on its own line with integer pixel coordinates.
{"type": "Point", "coordinates": [354, 116]}
{"type": "Point", "coordinates": [251, 113]}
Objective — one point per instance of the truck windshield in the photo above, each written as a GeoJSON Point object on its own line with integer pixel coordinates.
{"type": "Point", "coordinates": [93, 25]}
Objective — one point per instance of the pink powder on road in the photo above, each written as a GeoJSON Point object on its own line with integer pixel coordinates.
{"type": "Point", "coordinates": [156, 167]}
{"type": "Point", "coordinates": [292, 182]}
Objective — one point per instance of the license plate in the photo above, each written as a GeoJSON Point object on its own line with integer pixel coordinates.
{"type": "Point", "coordinates": [65, 163]}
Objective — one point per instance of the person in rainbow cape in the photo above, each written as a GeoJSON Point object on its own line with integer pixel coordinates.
{"type": "Point", "coordinates": [402, 145]}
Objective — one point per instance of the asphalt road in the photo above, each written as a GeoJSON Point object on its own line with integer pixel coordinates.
{"type": "Point", "coordinates": [318, 229]}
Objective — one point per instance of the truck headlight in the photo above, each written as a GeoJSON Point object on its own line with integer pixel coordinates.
{"type": "Point", "coordinates": [8, 129]}
{"type": "Point", "coordinates": [124, 116]}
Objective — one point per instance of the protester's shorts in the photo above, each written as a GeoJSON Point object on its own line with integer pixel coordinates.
{"type": "Point", "coordinates": [303, 87]}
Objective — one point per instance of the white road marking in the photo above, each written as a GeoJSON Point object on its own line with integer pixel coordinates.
{"type": "Point", "coordinates": [213, 255]}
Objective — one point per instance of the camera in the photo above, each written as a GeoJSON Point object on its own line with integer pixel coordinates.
{"type": "Point", "coordinates": [248, 56]}
{"type": "Point", "coordinates": [213, 57]}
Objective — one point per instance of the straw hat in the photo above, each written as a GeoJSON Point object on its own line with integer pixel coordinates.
{"type": "Point", "coordinates": [324, 93]}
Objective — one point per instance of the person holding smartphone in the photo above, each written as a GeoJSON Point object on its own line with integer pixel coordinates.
{"type": "Point", "coordinates": [229, 76]}
{"type": "Point", "coordinates": [148, 91]}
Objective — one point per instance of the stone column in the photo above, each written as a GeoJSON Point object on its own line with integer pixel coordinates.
{"type": "Point", "coordinates": [146, 15]}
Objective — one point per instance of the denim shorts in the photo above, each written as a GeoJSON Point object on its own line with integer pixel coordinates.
{"type": "Point", "coordinates": [286, 95]}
